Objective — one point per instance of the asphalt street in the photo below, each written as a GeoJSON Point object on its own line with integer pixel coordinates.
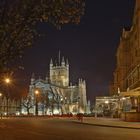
{"type": "Point", "coordinates": [60, 129]}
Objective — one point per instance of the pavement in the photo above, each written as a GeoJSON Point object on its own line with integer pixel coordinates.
{"type": "Point", "coordinates": [97, 121]}
{"type": "Point", "coordinates": [109, 122]}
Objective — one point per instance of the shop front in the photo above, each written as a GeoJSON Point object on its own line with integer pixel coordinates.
{"type": "Point", "coordinates": [129, 105]}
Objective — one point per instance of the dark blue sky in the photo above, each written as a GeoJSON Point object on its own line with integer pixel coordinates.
{"type": "Point", "coordinates": [90, 46]}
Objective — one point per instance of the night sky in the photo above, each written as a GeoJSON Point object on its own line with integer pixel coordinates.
{"type": "Point", "coordinates": [90, 46]}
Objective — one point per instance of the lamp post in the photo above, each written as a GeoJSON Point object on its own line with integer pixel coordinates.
{"type": "Point", "coordinates": [36, 102]}
{"type": "Point", "coordinates": [7, 81]}
{"type": "Point", "coordinates": [106, 108]}
{"type": "Point", "coordinates": [61, 101]}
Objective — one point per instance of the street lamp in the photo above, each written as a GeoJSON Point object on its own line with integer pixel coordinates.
{"type": "Point", "coordinates": [36, 102]}
{"type": "Point", "coordinates": [63, 105]}
{"type": "Point", "coordinates": [61, 101]}
{"type": "Point", "coordinates": [106, 102]}
{"type": "Point", "coordinates": [7, 81]}
{"type": "Point", "coordinates": [106, 108]}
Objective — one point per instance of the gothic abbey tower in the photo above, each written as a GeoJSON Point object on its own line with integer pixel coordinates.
{"type": "Point", "coordinates": [59, 73]}
{"type": "Point", "coordinates": [57, 95]}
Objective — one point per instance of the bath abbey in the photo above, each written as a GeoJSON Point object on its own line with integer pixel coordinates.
{"type": "Point", "coordinates": [55, 94]}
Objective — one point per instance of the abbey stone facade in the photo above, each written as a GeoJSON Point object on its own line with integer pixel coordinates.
{"type": "Point", "coordinates": [55, 94]}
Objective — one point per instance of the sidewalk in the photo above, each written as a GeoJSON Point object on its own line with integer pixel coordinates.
{"type": "Point", "coordinates": [110, 122]}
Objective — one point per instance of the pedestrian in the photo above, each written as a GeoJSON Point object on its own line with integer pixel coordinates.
{"type": "Point", "coordinates": [80, 117]}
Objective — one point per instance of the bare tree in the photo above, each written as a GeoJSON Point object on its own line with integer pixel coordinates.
{"type": "Point", "coordinates": [47, 102]}
{"type": "Point", "coordinates": [28, 104]}
{"type": "Point", "coordinates": [18, 18]}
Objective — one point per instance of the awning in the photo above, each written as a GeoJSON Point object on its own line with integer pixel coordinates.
{"type": "Point", "coordinates": [130, 93]}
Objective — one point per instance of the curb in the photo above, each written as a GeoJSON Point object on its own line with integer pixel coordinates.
{"type": "Point", "coordinates": [103, 125]}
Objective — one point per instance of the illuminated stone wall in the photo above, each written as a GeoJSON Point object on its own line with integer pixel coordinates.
{"type": "Point", "coordinates": [62, 97]}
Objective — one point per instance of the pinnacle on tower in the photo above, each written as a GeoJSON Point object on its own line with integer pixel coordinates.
{"type": "Point", "coordinates": [88, 102]}
{"type": "Point", "coordinates": [80, 80]}
{"type": "Point", "coordinates": [51, 63]}
{"type": "Point", "coordinates": [33, 76]}
{"type": "Point", "coordinates": [63, 62]}
{"type": "Point", "coordinates": [47, 79]}
{"type": "Point", "coordinates": [67, 62]}
{"type": "Point", "coordinates": [84, 82]}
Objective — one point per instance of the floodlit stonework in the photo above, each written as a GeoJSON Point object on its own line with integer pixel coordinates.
{"type": "Point", "coordinates": [56, 94]}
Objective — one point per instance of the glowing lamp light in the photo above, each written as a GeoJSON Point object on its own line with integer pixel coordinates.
{"type": "Point", "coordinates": [106, 102]}
{"type": "Point", "coordinates": [17, 113]}
{"type": "Point", "coordinates": [36, 92]}
{"type": "Point", "coordinates": [56, 111]}
{"type": "Point", "coordinates": [123, 98]}
{"type": "Point", "coordinates": [7, 80]}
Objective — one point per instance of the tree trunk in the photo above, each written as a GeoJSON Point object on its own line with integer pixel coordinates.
{"type": "Point", "coordinates": [28, 111]}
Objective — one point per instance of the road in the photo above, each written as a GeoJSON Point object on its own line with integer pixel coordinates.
{"type": "Point", "coordinates": [60, 129]}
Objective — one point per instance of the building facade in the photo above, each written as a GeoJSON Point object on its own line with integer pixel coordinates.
{"type": "Point", "coordinates": [107, 106]}
{"type": "Point", "coordinates": [9, 106]}
{"type": "Point", "coordinates": [55, 93]}
{"type": "Point", "coordinates": [126, 83]}
{"type": "Point", "coordinates": [127, 72]}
